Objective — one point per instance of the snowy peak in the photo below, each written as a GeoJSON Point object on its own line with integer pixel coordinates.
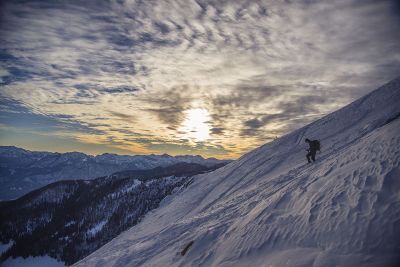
{"type": "Point", "coordinates": [271, 208]}
{"type": "Point", "coordinates": [22, 171]}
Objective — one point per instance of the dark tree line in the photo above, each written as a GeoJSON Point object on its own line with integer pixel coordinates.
{"type": "Point", "coordinates": [60, 219]}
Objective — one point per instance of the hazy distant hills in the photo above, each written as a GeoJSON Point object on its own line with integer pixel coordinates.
{"type": "Point", "coordinates": [22, 171]}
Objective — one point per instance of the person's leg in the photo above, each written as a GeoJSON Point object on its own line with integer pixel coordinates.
{"type": "Point", "coordinates": [308, 157]}
{"type": "Point", "coordinates": [313, 155]}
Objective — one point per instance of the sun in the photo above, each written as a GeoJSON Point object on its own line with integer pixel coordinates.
{"type": "Point", "coordinates": [196, 125]}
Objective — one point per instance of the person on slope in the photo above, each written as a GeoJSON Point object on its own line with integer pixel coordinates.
{"type": "Point", "coordinates": [312, 151]}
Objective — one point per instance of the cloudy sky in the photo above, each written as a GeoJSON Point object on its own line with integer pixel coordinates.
{"type": "Point", "coordinates": [215, 78]}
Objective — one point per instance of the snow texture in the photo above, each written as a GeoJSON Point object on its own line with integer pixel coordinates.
{"type": "Point", "coordinates": [42, 261]}
{"type": "Point", "coordinates": [271, 208]}
{"type": "Point", "coordinates": [97, 228]}
{"type": "Point", "coordinates": [4, 247]}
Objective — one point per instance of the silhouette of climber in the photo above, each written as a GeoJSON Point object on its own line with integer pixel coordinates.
{"type": "Point", "coordinates": [312, 151]}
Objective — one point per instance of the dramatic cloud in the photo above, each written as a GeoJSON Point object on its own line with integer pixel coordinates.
{"type": "Point", "coordinates": [127, 75]}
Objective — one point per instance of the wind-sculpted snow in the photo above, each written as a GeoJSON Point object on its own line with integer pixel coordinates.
{"type": "Point", "coordinates": [270, 208]}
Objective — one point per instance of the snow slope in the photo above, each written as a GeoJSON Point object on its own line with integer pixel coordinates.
{"type": "Point", "coordinates": [41, 261]}
{"type": "Point", "coordinates": [269, 208]}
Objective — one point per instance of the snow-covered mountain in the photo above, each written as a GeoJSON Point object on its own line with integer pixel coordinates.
{"type": "Point", "coordinates": [271, 208]}
{"type": "Point", "coordinates": [22, 171]}
{"type": "Point", "coordinates": [68, 220]}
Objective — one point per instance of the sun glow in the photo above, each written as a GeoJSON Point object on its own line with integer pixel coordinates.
{"type": "Point", "coordinates": [196, 125]}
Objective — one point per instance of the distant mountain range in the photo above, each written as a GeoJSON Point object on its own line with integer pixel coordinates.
{"type": "Point", "coordinates": [68, 220]}
{"type": "Point", "coordinates": [22, 171]}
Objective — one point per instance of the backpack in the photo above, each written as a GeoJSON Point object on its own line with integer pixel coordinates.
{"type": "Point", "coordinates": [317, 145]}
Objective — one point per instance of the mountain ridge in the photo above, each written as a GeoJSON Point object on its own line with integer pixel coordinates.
{"type": "Point", "coordinates": [22, 170]}
{"type": "Point", "coordinates": [270, 207]}
{"type": "Point", "coordinates": [69, 219]}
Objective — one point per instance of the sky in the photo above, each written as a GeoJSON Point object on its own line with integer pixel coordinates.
{"type": "Point", "coordinates": [214, 78]}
